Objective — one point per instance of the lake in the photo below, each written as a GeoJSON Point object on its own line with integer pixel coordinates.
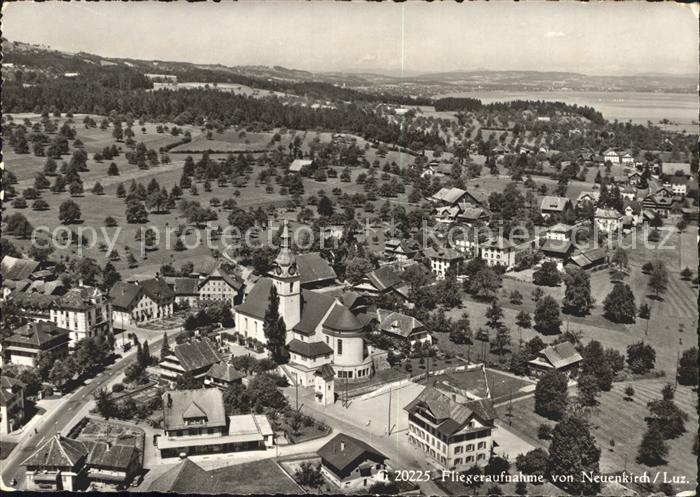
{"type": "Point", "coordinates": [623, 106]}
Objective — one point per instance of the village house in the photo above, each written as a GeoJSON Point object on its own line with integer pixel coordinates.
{"type": "Point", "coordinates": [454, 435]}
{"type": "Point", "coordinates": [444, 259]}
{"type": "Point", "coordinates": [195, 422]}
{"type": "Point", "coordinates": [447, 214]}
{"type": "Point", "coordinates": [466, 240]}
{"type": "Point", "coordinates": [587, 197]}
{"type": "Point", "coordinates": [607, 220]}
{"type": "Point", "coordinates": [498, 252]}
{"type": "Point", "coordinates": [588, 258]}
{"type": "Point", "coordinates": [557, 251]}
{"type": "Point", "coordinates": [321, 329]}
{"type": "Point", "coordinates": [27, 342]}
{"type": "Point", "coordinates": [186, 291]}
{"type": "Point", "coordinates": [454, 196]}
{"type": "Point", "coordinates": [404, 328]}
{"type": "Point", "coordinates": [83, 310]}
{"type": "Point", "coordinates": [66, 464]}
{"type": "Point", "coordinates": [471, 216]}
{"type": "Point", "coordinates": [381, 281]}
{"type": "Point", "coordinates": [351, 464]}
{"type": "Point", "coordinates": [563, 357]}
{"type": "Point", "coordinates": [401, 251]}
{"type": "Point", "coordinates": [678, 185]}
{"type": "Point", "coordinates": [634, 178]}
{"type": "Point", "coordinates": [324, 385]}
{"type": "Point", "coordinates": [660, 202]}
{"type": "Point", "coordinates": [610, 155]}
{"type": "Point", "coordinates": [141, 301]}
{"type": "Point", "coordinates": [553, 206]}
{"type": "Point", "coordinates": [221, 286]}
{"type": "Point", "coordinates": [298, 164]}
{"type": "Point", "coordinates": [12, 411]}
{"type": "Point", "coordinates": [559, 232]}
{"type": "Point", "coordinates": [628, 192]}
{"type": "Point", "coordinates": [195, 357]}
{"type": "Point", "coordinates": [14, 270]}
{"type": "Point", "coordinates": [222, 375]}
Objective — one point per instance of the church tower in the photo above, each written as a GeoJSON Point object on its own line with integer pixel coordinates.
{"type": "Point", "coordinates": [287, 281]}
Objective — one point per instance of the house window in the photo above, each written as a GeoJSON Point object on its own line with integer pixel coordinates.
{"type": "Point", "coordinates": [340, 347]}
{"type": "Point", "coordinates": [458, 461]}
{"type": "Point", "coordinates": [480, 457]}
{"type": "Point", "coordinates": [482, 445]}
{"type": "Point", "coordinates": [459, 449]}
{"type": "Point", "coordinates": [470, 447]}
{"type": "Point", "coordinates": [469, 459]}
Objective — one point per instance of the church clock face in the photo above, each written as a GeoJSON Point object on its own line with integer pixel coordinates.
{"type": "Point", "coordinates": [292, 269]}
{"type": "Point", "coordinates": [278, 270]}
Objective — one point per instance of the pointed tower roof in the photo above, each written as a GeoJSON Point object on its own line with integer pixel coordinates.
{"type": "Point", "coordinates": [286, 256]}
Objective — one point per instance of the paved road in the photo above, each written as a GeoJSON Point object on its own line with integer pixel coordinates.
{"type": "Point", "coordinates": [58, 419]}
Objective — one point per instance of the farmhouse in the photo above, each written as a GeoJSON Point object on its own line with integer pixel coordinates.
{"type": "Point", "coordinates": [222, 375]}
{"type": "Point", "coordinates": [195, 422]}
{"type": "Point", "coordinates": [14, 270]}
{"type": "Point", "coordinates": [401, 251]}
{"type": "Point", "coordinates": [679, 185]}
{"type": "Point", "coordinates": [612, 156]}
{"type": "Point", "coordinates": [453, 196]}
{"type": "Point", "coordinates": [221, 286]}
{"type": "Point", "coordinates": [454, 435]}
{"type": "Point", "coordinates": [588, 258]}
{"type": "Point", "coordinates": [195, 357]}
{"type": "Point", "coordinates": [559, 232]}
{"type": "Point", "coordinates": [563, 357]}
{"type": "Point", "coordinates": [588, 196]}
{"type": "Point", "coordinates": [141, 301]}
{"type": "Point", "coordinates": [24, 346]}
{"type": "Point", "coordinates": [381, 281]}
{"type": "Point", "coordinates": [557, 251]}
{"type": "Point", "coordinates": [186, 291]}
{"type": "Point", "coordinates": [298, 164]}
{"type": "Point", "coordinates": [12, 413]}
{"type": "Point", "coordinates": [350, 463]}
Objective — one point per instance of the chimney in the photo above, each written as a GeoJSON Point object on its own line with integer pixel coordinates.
{"type": "Point", "coordinates": [342, 445]}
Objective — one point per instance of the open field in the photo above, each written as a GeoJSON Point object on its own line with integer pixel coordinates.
{"type": "Point", "coordinates": [623, 421]}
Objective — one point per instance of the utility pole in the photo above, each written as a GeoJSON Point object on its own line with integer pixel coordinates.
{"type": "Point", "coordinates": [388, 416]}
{"type": "Point", "coordinates": [296, 392]}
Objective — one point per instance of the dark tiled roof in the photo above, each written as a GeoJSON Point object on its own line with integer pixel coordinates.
{"type": "Point", "coordinates": [258, 300]}
{"type": "Point", "coordinates": [224, 372]}
{"type": "Point", "coordinates": [196, 354]}
{"type": "Point", "coordinates": [557, 246]}
{"type": "Point", "coordinates": [39, 333]}
{"type": "Point", "coordinates": [12, 268]}
{"type": "Point", "coordinates": [450, 414]}
{"type": "Point", "coordinates": [186, 286]}
{"type": "Point", "coordinates": [444, 253]}
{"type": "Point", "coordinates": [315, 305]}
{"type": "Point", "coordinates": [125, 295]}
{"type": "Point", "coordinates": [561, 355]}
{"type": "Point", "coordinates": [550, 203]}
{"type": "Point", "coordinates": [341, 319]}
{"type": "Point", "coordinates": [185, 478]}
{"type": "Point", "coordinates": [344, 450]}
{"type": "Point", "coordinates": [104, 455]}
{"type": "Point", "coordinates": [326, 372]}
{"type": "Point", "coordinates": [397, 323]}
{"type": "Point", "coordinates": [309, 349]}
{"type": "Point", "coordinates": [384, 278]}
{"type": "Point", "coordinates": [7, 387]}
{"type": "Point", "coordinates": [206, 402]}
{"type": "Point", "coordinates": [57, 451]}
{"type": "Point", "coordinates": [313, 268]}
{"type": "Point", "coordinates": [157, 290]}
{"type": "Point", "coordinates": [77, 298]}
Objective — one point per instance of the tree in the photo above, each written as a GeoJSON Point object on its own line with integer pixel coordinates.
{"type": "Point", "coordinates": [653, 449]}
{"type": "Point", "coordinates": [644, 311]}
{"type": "Point", "coordinates": [357, 269]}
{"type": "Point", "coordinates": [264, 393]}
{"type": "Point", "coordinates": [619, 259]}
{"type": "Point", "coordinates": [484, 284]}
{"type": "Point", "coordinates": [516, 297]}
{"type": "Point", "coordinates": [113, 170]}
{"type": "Point", "coordinates": [494, 316]}
{"type": "Point", "coordinates": [98, 189]}
{"type": "Point", "coordinates": [165, 347]}
{"type": "Point", "coordinates": [461, 332]}
{"type": "Point", "coordinates": [105, 403]}
{"type": "Point", "coordinates": [523, 319]}
{"type": "Point", "coordinates": [69, 212]}
{"type": "Point", "coordinates": [547, 318]}
{"type": "Point", "coordinates": [577, 296]}
{"type": "Point", "coordinates": [533, 462]}
{"type": "Point", "coordinates": [110, 276]}
{"type": "Point", "coordinates": [496, 466]}
{"type": "Point", "coordinates": [588, 389]}
{"type": "Point", "coordinates": [325, 207]}
{"type": "Point", "coordinates": [274, 327]}
{"type": "Point", "coordinates": [641, 357]}
{"type": "Point", "coordinates": [551, 395]}
{"type": "Point", "coordinates": [547, 275]}
{"type": "Point", "coordinates": [521, 488]}
{"type": "Point", "coordinates": [40, 205]}
{"type": "Point", "coordinates": [187, 381]}
{"type": "Point", "coordinates": [136, 212]}
{"type": "Point", "coordinates": [573, 452]}
{"type": "Point", "coordinates": [619, 305]}
{"type": "Point", "coordinates": [473, 477]}
{"type": "Point", "coordinates": [309, 475]}
{"type": "Point", "coordinates": [537, 294]}
{"type": "Point", "coordinates": [668, 417]}
{"type": "Point", "coordinates": [658, 278]}
{"type": "Point", "coordinates": [688, 367]}
{"type": "Point", "coordinates": [60, 373]}
{"type": "Point", "coordinates": [595, 364]}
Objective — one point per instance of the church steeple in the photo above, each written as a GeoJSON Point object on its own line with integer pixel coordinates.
{"type": "Point", "coordinates": [287, 280]}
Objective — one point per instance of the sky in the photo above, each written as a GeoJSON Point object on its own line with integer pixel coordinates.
{"type": "Point", "coordinates": [414, 37]}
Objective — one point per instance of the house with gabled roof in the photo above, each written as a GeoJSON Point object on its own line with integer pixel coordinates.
{"type": "Point", "coordinates": [141, 301]}
{"type": "Point", "coordinates": [454, 435]}
{"type": "Point", "coordinates": [381, 281]}
{"type": "Point", "coordinates": [195, 422]}
{"type": "Point", "coordinates": [351, 464]}
{"type": "Point", "coordinates": [195, 357]}
{"type": "Point", "coordinates": [563, 357]}
{"type": "Point", "coordinates": [186, 290]}
{"type": "Point", "coordinates": [551, 205]}
{"type": "Point", "coordinates": [401, 327]}
{"type": "Point", "coordinates": [498, 251]}
{"type": "Point", "coordinates": [402, 251]}
{"type": "Point", "coordinates": [221, 286]}
{"type": "Point", "coordinates": [444, 259]}
{"type": "Point", "coordinates": [607, 220]}
{"type": "Point", "coordinates": [587, 258]}
{"type": "Point", "coordinates": [611, 155]}
{"type": "Point", "coordinates": [587, 196]}
{"type": "Point", "coordinates": [223, 375]}
{"type": "Point", "coordinates": [27, 342]}
{"type": "Point", "coordinates": [13, 269]}
{"type": "Point", "coordinates": [298, 164]}
{"type": "Point", "coordinates": [454, 196]}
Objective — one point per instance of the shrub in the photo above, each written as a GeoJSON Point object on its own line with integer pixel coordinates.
{"type": "Point", "coordinates": [544, 432]}
{"type": "Point", "coordinates": [117, 387]}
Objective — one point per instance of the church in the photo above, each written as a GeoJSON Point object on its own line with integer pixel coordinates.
{"type": "Point", "coordinates": [322, 329]}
